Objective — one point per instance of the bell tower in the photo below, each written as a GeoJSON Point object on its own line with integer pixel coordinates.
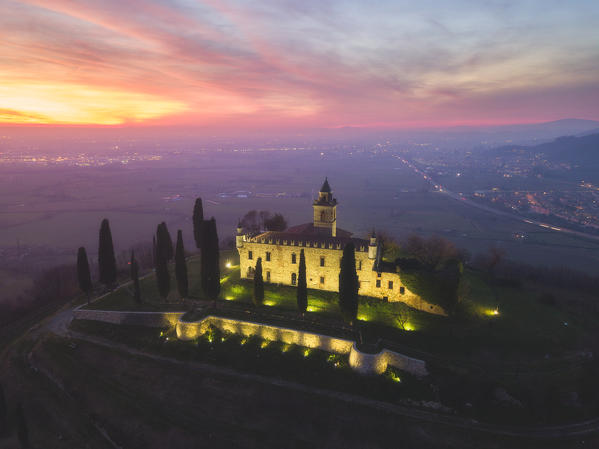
{"type": "Point", "coordinates": [325, 210]}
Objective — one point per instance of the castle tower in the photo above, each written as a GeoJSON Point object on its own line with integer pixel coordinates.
{"type": "Point", "coordinates": [239, 236]}
{"type": "Point", "coordinates": [372, 247]}
{"type": "Point", "coordinates": [325, 210]}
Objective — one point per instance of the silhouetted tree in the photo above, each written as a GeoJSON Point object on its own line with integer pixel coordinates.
{"type": "Point", "coordinates": [302, 290]}
{"type": "Point", "coordinates": [168, 242]}
{"type": "Point", "coordinates": [275, 223]}
{"type": "Point", "coordinates": [106, 259]}
{"type": "Point", "coordinates": [181, 267]}
{"type": "Point", "coordinates": [83, 275]}
{"type": "Point", "coordinates": [162, 274]}
{"type": "Point", "coordinates": [22, 430]}
{"type": "Point", "coordinates": [198, 221]}
{"type": "Point", "coordinates": [210, 268]}
{"type": "Point", "coordinates": [348, 284]}
{"type": "Point", "coordinates": [3, 414]}
{"type": "Point", "coordinates": [433, 252]}
{"type": "Point", "coordinates": [134, 268]}
{"type": "Point", "coordinates": [258, 295]}
{"type": "Point", "coordinates": [250, 221]}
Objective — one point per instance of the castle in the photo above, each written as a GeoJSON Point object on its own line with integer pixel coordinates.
{"type": "Point", "coordinates": [323, 243]}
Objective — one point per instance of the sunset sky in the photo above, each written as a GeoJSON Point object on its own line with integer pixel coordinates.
{"type": "Point", "coordinates": [279, 64]}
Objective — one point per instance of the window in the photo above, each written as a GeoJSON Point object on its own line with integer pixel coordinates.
{"type": "Point", "coordinates": [322, 279]}
{"type": "Point", "coordinates": [293, 258]}
{"type": "Point", "coordinates": [322, 216]}
{"type": "Point", "coordinates": [250, 255]}
{"type": "Point", "coordinates": [359, 284]}
{"type": "Point", "coordinates": [390, 285]}
{"type": "Point", "coordinates": [378, 275]}
{"type": "Point", "coordinates": [378, 282]}
{"type": "Point", "coordinates": [293, 278]}
{"type": "Point", "coordinates": [268, 256]}
{"type": "Point", "coordinates": [402, 290]}
{"type": "Point", "coordinates": [322, 261]}
{"type": "Point", "coordinates": [268, 276]}
{"type": "Point", "coordinates": [359, 264]}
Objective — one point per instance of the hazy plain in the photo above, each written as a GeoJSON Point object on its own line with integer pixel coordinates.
{"type": "Point", "coordinates": [58, 207]}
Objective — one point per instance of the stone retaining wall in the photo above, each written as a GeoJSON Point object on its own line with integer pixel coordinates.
{"type": "Point", "coordinates": [149, 319]}
{"type": "Point", "coordinates": [361, 362]}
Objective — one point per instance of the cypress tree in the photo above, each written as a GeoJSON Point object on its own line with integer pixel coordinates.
{"type": "Point", "coordinates": [168, 242]}
{"type": "Point", "coordinates": [181, 267]}
{"type": "Point", "coordinates": [22, 430]}
{"type": "Point", "coordinates": [135, 278]}
{"type": "Point", "coordinates": [210, 267]}
{"type": "Point", "coordinates": [3, 414]}
{"type": "Point", "coordinates": [83, 275]}
{"type": "Point", "coordinates": [348, 284]}
{"type": "Point", "coordinates": [106, 259]}
{"type": "Point", "coordinates": [258, 283]}
{"type": "Point", "coordinates": [302, 290]}
{"type": "Point", "coordinates": [162, 275]}
{"type": "Point", "coordinates": [198, 221]}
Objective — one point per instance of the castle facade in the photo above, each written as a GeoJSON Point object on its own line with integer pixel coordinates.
{"type": "Point", "coordinates": [323, 243]}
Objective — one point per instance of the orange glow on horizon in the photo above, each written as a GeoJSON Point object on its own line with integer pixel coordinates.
{"type": "Point", "coordinates": [79, 105]}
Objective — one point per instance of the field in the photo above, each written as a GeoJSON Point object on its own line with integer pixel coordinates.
{"type": "Point", "coordinates": [61, 207]}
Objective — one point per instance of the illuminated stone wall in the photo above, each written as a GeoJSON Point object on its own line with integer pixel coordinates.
{"type": "Point", "coordinates": [191, 330]}
{"type": "Point", "coordinates": [361, 362]}
{"type": "Point", "coordinates": [281, 267]}
{"type": "Point", "coordinates": [281, 264]}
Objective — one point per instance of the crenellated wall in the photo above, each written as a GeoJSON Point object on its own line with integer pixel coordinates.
{"type": "Point", "coordinates": [284, 262]}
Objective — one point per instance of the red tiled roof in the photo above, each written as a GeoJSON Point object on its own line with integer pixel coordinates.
{"type": "Point", "coordinates": [307, 235]}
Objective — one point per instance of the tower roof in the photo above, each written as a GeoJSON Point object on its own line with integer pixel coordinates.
{"type": "Point", "coordinates": [325, 186]}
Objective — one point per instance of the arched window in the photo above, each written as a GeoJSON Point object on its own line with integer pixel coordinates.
{"type": "Point", "coordinates": [293, 278]}
{"type": "Point", "coordinates": [322, 216]}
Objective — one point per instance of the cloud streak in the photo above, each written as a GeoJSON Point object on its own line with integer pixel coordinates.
{"type": "Point", "coordinates": [290, 64]}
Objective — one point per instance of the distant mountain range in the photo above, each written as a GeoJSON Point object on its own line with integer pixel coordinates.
{"type": "Point", "coordinates": [583, 149]}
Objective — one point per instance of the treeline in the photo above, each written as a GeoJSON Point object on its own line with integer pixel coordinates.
{"type": "Point", "coordinates": [163, 254]}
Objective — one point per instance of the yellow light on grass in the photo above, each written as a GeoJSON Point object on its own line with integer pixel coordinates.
{"type": "Point", "coordinates": [492, 312]}
{"type": "Point", "coordinates": [269, 302]}
{"type": "Point", "coordinates": [307, 352]}
{"type": "Point", "coordinates": [394, 377]}
{"type": "Point", "coordinates": [264, 344]}
{"type": "Point", "coordinates": [409, 327]}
